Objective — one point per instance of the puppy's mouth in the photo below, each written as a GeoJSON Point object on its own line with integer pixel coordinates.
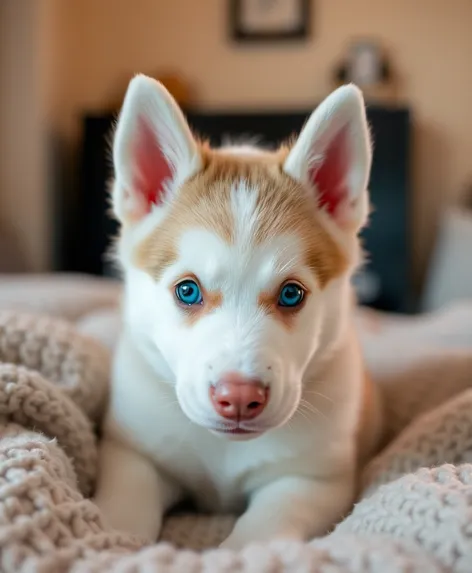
{"type": "Point", "coordinates": [236, 432]}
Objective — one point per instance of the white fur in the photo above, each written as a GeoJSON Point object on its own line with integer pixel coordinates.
{"type": "Point", "coordinates": [295, 478]}
{"type": "Point", "coordinates": [245, 212]}
{"type": "Point", "coordinates": [244, 150]}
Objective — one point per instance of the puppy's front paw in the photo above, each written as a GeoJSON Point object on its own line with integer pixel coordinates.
{"type": "Point", "coordinates": [242, 536]}
{"type": "Point", "coordinates": [247, 531]}
{"type": "Point", "coordinates": [145, 526]}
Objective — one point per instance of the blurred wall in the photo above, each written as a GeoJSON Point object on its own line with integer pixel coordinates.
{"type": "Point", "coordinates": [27, 76]}
{"type": "Point", "coordinates": [101, 43]}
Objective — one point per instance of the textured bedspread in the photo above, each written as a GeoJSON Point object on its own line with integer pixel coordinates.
{"type": "Point", "coordinates": [415, 506]}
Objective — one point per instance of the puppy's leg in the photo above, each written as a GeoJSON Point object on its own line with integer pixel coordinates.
{"type": "Point", "coordinates": [131, 493]}
{"type": "Point", "coordinates": [292, 508]}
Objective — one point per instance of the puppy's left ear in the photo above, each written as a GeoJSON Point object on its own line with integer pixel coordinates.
{"type": "Point", "coordinates": [332, 157]}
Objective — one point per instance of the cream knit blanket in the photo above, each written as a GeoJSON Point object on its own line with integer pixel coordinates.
{"type": "Point", "coordinates": [414, 511]}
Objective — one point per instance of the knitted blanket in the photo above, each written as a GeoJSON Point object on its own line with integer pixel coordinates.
{"type": "Point", "coordinates": [414, 511]}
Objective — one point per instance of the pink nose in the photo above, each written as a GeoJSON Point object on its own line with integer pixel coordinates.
{"type": "Point", "coordinates": [238, 398]}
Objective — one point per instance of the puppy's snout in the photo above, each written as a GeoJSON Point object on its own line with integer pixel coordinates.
{"type": "Point", "coordinates": [238, 398]}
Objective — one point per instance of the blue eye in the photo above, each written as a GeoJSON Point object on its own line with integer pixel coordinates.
{"type": "Point", "coordinates": [291, 295]}
{"type": "Point", "coordinates": [188, 292]}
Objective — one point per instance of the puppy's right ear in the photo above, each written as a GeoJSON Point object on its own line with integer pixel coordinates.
{"type": "Point", "coordinates": [153, 151]}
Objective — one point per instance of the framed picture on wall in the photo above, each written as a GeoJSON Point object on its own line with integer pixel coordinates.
{"type": "Point", "coordinates": [269, 20]}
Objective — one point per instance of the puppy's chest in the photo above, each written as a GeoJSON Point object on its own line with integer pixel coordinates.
{"type": "Point", "coordinates": [217, 474]}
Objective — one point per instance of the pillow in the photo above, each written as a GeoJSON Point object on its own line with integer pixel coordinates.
{"type": "Point", "coordinates": [450, 273]}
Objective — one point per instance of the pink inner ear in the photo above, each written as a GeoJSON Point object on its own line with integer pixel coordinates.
{"type": "Point", "coordinates": [152, 167]}
{"type": "Point", "coordinates": [330, 176]}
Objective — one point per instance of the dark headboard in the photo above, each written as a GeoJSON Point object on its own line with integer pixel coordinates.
{"type": "Point", "coordinates": [385, 280]}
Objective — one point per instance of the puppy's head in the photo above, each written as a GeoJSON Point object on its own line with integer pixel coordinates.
{"type": "Point", "coordinates": [237, 260]}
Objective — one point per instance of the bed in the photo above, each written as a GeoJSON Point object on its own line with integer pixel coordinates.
{"type": "Point", "coordinates": [414, 511]}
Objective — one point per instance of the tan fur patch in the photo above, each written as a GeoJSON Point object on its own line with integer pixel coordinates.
{"type": "Point", "coordinates": [369, 433]}
{"type": "Point", "coordinates": [205, 201]}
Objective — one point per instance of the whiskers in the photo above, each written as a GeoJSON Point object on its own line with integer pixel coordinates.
{"type": "Point", "coordinates": [308, 409]}
{"type": "Point", "coordinates": [320, 394]}
{"type": "Point", "coordinates": [308, 412]}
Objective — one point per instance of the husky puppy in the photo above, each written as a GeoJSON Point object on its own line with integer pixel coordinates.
{"type": "Point", "coordinates": [238, 380]}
